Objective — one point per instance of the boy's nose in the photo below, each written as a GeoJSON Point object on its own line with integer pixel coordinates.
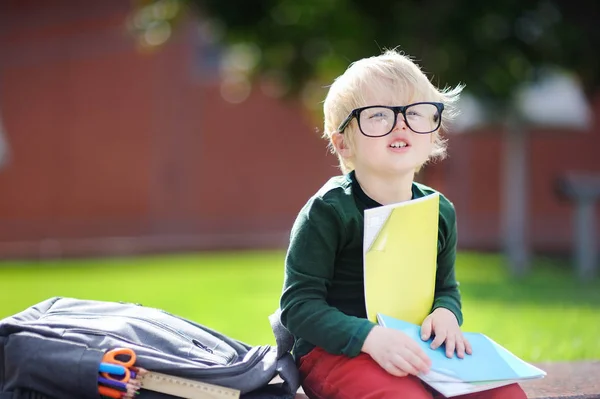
{"type": "Point", "coordinates": [400, 123]}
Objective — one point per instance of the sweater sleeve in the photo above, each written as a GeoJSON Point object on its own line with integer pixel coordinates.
{"type": "Point", "coordinates": [447, 294]}
{"type": "Point", "coordinates": [316, 237]}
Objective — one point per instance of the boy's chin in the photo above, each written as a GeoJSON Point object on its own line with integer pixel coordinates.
{"type": "Point", "coordinates": [403, 166]}
{"type": "Point", "coordinates": [396, 169]}
{"type": "Point", "coordinates": [392, 169]}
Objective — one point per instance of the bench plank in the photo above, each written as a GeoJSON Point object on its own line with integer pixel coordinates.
{"type": "Point", "coordinates": [571, 380]}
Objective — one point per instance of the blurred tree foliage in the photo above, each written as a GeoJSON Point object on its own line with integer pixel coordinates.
{"type": "Point", "coordinates": [491, 46]}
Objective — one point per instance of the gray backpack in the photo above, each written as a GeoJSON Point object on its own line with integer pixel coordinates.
{"type": "Point", "coordinates": [54, 349]}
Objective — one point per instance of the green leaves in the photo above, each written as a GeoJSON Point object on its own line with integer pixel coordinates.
{"type": "Point", "coordinates": [490, 46]}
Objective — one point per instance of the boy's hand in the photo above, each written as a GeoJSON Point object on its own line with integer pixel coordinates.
{"type": "Point", "coordinates": [444, 326]}
{"type": "Point", "coordinates": [396, 352]}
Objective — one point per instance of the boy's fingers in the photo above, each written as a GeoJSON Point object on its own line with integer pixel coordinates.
{"type": "Point", "coordinates": [420, 353]}
{"type": "Point", "coordinates": [395, 370]}
{"type": "Point", "coordinates": [460, 347]}
{"type": "Point", "coordinates": [421, 364]}
{"type": "Point", "coordinates": [426, 359]}
{"type": "Point", "coordinates": [439, 339]}
{"type": "Point", "coordinates": [450, 345]}
{"type": "Point", "coordinates": [405, 365]}
{"type": "Point", "coordinates": [417, 361]}
{"type": "Point", "coordinates": [426, 329]}
{"type": "Point", "coordinates": [468, 348]}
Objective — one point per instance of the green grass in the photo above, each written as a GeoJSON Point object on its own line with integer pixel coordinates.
{"type": "Point", "coordinates": [546, 316]}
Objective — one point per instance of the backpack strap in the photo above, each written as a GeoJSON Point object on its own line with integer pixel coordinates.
{"type": "Point", "coordinates": [286, 366]}
{"type": "Point", "coordinates": [288, 371]}
{"type": "Point", "coordinates": [283, 338]}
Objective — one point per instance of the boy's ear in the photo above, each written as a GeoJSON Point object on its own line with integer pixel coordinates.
{"type": "Point", "coordinates": [341, 145]}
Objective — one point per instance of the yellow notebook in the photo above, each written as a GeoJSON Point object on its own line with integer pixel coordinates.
{"type": "Point", "coordinates": [400, 258]}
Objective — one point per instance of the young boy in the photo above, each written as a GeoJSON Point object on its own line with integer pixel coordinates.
{"type": "Point", "coordinates": [383, 119]}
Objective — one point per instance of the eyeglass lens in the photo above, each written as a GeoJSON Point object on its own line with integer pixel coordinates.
{"type": "Point", "coordinates": [379, 121]}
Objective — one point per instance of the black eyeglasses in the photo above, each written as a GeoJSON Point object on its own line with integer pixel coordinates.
{"type": "Point", "coordinates": [380, 120]}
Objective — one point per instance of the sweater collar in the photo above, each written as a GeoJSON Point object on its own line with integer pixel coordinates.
{"type": "Point", "coordinates": [360, 194]}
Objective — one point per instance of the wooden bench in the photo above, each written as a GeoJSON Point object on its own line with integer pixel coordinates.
{"type": "Point", "coordinates": [568, 380]}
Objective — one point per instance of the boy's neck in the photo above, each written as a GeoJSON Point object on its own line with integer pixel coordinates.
{"type": "Point", "coordinates": [386, 189]}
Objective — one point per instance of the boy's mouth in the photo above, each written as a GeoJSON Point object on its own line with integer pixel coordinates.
{"type": "Point", "coordinates": [399, 144]}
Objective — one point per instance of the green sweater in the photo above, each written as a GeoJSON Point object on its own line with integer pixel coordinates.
{"type": "Point", "coordinates": [323, 302]}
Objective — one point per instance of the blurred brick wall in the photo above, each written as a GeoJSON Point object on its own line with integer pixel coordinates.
{"type": "Point", "coordinates": [107, 141]}
{"type": "Point", "coordinates": [472, 177]}
{"type": "Point", "coordinates": [114, 150]}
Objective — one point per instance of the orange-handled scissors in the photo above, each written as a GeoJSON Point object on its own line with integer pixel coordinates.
{"type": "Point", "coordinates": [123, 357]}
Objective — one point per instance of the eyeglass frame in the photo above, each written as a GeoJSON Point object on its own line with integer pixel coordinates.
{"type": "Point", "coordinates": [355, 113]}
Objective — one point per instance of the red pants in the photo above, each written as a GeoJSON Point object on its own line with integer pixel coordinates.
{"type": "Point", "coordinates": [326, 376]}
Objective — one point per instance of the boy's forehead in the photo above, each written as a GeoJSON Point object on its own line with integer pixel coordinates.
{"type": "Point", "coordinates": [387, 94]}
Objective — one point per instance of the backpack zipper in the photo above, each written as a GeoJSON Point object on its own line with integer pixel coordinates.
{"type": "Point", "coordinates": [91, 331]}
{"type": "Point", "coordinates": [192, 341]}
{"type": "Point", "coordinates": [218, 370]}
{"type": "Point", "coordinates": [224, 371]}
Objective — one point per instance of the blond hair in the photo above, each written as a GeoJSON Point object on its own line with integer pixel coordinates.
{"type": "Point", "coordinates": [391, 69]}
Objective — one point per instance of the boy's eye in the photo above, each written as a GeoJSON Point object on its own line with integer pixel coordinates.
{"type": "Point", "coordinates": [378, 113]}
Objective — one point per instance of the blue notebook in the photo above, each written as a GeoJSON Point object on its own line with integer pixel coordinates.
{"type": "Point", "coordinates": [489, 362]}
